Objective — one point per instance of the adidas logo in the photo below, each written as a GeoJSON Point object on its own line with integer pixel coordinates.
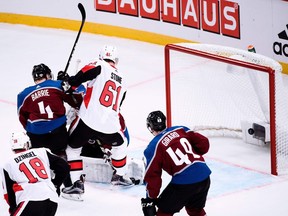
{"type": "Point", "coordinates": [278, 47]}
{"type": "Point", "coordinates": [283, 35]}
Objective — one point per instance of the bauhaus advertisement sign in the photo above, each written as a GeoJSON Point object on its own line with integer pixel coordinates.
{"type": "Point", "coordinates": [215, 16]}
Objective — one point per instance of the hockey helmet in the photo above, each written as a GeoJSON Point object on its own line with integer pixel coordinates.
{"type": "Point", "coordinates": [20, 141]}
{"type": "Point", "coordinates": [40, 71]}
{"type": "Point", "coordinates": [156, 121]}
{"type": "Point", "coordinates": [109, 52]}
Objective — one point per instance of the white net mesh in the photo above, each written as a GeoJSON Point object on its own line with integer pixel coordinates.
{"type": "Point", "coordinates": [215, 96]}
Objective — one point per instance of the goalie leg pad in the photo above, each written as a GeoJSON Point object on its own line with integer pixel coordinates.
{"type": "Point", "coordinates": [136, 170]}
{"type": "Point", "coordinates": [97, 170]}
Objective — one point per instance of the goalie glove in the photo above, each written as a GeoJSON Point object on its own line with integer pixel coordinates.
{"type": "Point", "coordinates": [148, 206]}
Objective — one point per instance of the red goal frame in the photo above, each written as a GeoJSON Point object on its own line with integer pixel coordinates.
{"type": "Point", "coordinates": [270, 71]}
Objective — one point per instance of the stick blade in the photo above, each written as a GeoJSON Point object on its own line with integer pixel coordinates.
{"type": "Point", "coordinates": [82, 11]}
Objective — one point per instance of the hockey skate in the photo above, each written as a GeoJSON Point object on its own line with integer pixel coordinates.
{"type": "Point", "coordinates": [74, 192]}
{"type": "Point", "coordinates": [118, 180]}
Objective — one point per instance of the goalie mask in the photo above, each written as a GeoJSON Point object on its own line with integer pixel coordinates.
{"type": "Point", "coordinates": [41, 71]}
{"type": "Point", "coordinates": [156, 121]}
{"type": "Point", "coordinates": [109, 53]}
{"type": "Point", "coordinates": [20, 141]}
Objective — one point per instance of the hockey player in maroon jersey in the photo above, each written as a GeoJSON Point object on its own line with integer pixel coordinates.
{"type": "Point", "coordinates": [42, 111]}
{"type": "Point", "coordinates": [178, 151]}
{"type": "Point", "coordinates": [98, 118]}
{"type": "Point", "coordinates": [28, 186]}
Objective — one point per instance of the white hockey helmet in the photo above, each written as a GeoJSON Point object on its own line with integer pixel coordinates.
{"type": "Point", "coordinates": [109, 52]}
{"type": "Point", "coordinates": [20, 141]}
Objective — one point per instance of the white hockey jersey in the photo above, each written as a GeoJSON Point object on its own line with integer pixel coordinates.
{"type": "Point", "coordinates": [100, 108]}
{"type": "Point", "coordinates": [30, 175]}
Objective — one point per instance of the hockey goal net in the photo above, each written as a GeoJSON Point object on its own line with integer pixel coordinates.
{"type": "Point", "coordinates": [220, 90]}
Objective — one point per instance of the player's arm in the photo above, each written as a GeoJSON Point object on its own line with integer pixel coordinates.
{"type": "Point", "coordinates": [71, 83]}
{"type": "Point", "coordinates": [88, 72]}
{"type": "Point", "coordinates": [124, 128]}
{"type": "Point", "coordinates": [9, 193]}
{"type": "Point", "coordinates": [152, 179]}
{"type": "Point", "coordinates": [23, 116]}
{"type": "Point", "coordinates": [60, 168]}
{"type": "Point", "coordinates": [74, 99]}
{"type": "Point", "coordinates": [153, 171]}
{"type": "Point", "coordinates": [199, 142]}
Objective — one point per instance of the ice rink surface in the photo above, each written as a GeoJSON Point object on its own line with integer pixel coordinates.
{"type": "Point", "coordinates": [241, 183]}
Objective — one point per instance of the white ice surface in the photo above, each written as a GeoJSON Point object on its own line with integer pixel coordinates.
{"type": "Point", "coordinates": [241, 183]}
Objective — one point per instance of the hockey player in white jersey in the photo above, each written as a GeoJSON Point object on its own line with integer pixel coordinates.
{"type": "Point", "coordinates": [29, 188]}
{"type": "Point", "coordinates": [98, 118]}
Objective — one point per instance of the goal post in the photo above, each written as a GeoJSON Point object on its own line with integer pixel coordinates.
{"type": "Point", "coordinates": [245, 88]}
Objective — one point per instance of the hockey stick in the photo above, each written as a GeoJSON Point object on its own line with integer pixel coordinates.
{"type": "Point", "coordinates": [83, 14]}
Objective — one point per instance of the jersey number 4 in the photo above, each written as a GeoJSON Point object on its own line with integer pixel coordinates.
{"type": "Point", "coordinates": [35, 166]}
{"type": "Point", "coordinates": [180, 157]}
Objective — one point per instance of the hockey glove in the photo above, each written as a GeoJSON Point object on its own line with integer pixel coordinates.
{"type": "Point", "coordinates": [135, 181]}
{"type": "Point", "coordinates": [66, 87]}
{"type": "Point", "coordinates": [62, 76]}
{"type": "Point", "coordinates": [148, 206]}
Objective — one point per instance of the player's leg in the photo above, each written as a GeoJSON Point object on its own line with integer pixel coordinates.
{"type": "Point", "coordinates": [50, 208]}
{"type": "Point", "coordinates": [196, 212]}
{"type": "Point", "coordinates": [161, 213]}
{"type": "Point", "coordinates": [171, 200]}
{"type": "Point", "coordinates": [36, 208]}
{"type": "Point", "coordinates": [195, 205]}
{"type": "Point", "coordinates": [175, 196]}
{"type": "Point", "coordinates": [79, 135]}
{"type": "Point", "coordinates": [117, 146]}
{"type": "Point", "coordinates": [56, 141]}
